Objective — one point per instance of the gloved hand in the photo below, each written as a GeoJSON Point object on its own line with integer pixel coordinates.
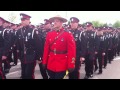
{"type": "Point", "coordinates": [44, 66]}
{"type": "Point", "coordinates": [71, 70]}
{"type": "Point", "coordinates": [39, 61]}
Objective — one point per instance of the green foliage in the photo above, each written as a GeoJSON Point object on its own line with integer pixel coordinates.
{"type": "Point", "coordinates": [116, 24]}
{"type": "Point", "coordinates": [12, 17]}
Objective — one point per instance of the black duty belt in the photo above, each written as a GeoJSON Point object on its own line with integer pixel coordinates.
{"type": "Point", "coordinates": [58, 52]}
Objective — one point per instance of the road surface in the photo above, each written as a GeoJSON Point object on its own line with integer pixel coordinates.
{"type": "Point", "coordinates": [111, 72]}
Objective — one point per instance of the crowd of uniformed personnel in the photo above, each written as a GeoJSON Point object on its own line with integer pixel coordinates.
{"type": "Point", "coordinates": [56, 47]}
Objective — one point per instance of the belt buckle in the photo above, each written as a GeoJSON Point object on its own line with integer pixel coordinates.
{"type": "Point", "coordinates": [54, 51]}
{"type": "Point", "coordinates": [24, 52]}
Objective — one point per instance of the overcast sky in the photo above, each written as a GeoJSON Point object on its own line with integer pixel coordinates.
{"type": "Point", "coordinates": [84, 16]}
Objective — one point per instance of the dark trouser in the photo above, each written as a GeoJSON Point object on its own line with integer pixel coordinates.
{"type": "Point", "coordinates": [110, 55]}
{"type": "Point", "coordinates": [6, 65]}
{"type": "Point", "coordinates": [118, 49]}
{"type": "Point", "coordinates": [106, 58]}
{"type": "Point", "coordinates": [43, 72]}
{"type": "Point", "coordinates": [95, 61]}
{"type": "Point", "coordinates": [2, 74]}
{"type": "Point", "coordinates": [10, 56]}
{"type": "Point", "coordinates": [89, 59]}
{"type": "Point", "coordinates": [113, 53]}
{"type": "Point", "coordinates": [28, 70]}
{"type": "Point", "coordinates": [75, 74]}
{"type": "Point", "coordinates": [100, 60]}
{"type": "Point", "coordinates": [56, 75]}
{"type": "Point", "coordinates": [15, 54]}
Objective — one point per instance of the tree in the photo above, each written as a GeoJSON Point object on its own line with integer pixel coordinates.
{"type": "Point", "coordinates": [96, 23]}
{"type": "Point", "coordinates": [116, 24]}
{"type": "Point", "coordinates": [12, 17]}
{"type": "Point", "coordinates": [106, 25]}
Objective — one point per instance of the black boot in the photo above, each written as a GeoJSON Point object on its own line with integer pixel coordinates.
{"type": "Point", "coordinates": [86, 77]}
{"type": "Point", "coordinates": [96, 68]}
{"type": "Point", "coordinates": [100, 72]}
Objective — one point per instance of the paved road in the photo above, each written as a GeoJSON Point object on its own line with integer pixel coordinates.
{"type": "Point", "coordinates": [111, 72]}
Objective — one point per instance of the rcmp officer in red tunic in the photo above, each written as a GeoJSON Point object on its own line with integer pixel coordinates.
{"type": "Point", "coordinates": [59, 50]}
{"type": "Point", "coordinates": [26, 40]}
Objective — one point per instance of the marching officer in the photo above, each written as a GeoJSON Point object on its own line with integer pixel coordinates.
{"type": "Point", "coordinates": [26, 44]}
{"type": "Point", "coordinates": [78, 36]}
{"type": "Point", "coordinates": [90, 50]}
{"type": "Point", "coordinates": [7, 35]}
{"type": "Point", "coordinates": [59, 50]}
{"type": "Point", "coordinates": [109, 45]}
{"type": "Point", "coordinates": [100, 48]}
{"type": "Point", "coordinates": [4, 47]}
{"type": "Point", "coordinates": [47, 28]}
{"type": "Point", "coordinates": [2, 75]}
{"type": "Point", "coordinates": [14, 47]}
{"type": "Point", "coordinates": [118, 47]}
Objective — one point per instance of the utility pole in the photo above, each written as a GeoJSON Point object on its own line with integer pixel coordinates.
{"type": "Point", "coordinates": [66, 14]}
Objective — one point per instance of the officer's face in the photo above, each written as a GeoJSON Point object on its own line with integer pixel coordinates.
{"type": "Point", "coordinates": [14, 27]}
{"type": "Point", "coordinates": [47, 26]}
{"type": "Point", "coordinates": [74, 25]}
{"type": "Point", "coordinates": [89, 27]}
{"type": "Point", "coordinates": [25, 22]}
{"type": "Point", "coordinates": [1, 23]}
{"type": "Point", "coordinates": [5, 24]}
{"type": "Point", "coordinates": [57, 23]}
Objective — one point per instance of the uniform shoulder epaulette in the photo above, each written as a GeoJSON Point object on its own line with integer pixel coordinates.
{"type": "Point", "coordinates": [51, 31]}
{"type": "Point", "coordinates": [67, 31]}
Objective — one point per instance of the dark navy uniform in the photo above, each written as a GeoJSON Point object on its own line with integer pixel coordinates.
{"type": "Point", "coordinates": [4, 48]}
{"type": "Point", "coordinates": [78, 36]}
{"type": "Point", "coordinates": [109, 47]}
{"type": "Point", "coordinates": [100, 49]}
{"type": "Point", "coordinates": [42, 39]}
{"type": "Point", "coordinates": [14, 47]}
{"type": "Point", "coordinates": [7, 35]}
{"type": "Point", "coordinates": [90, 51]}
{"type": "Point", "coordinates": [27, 46]}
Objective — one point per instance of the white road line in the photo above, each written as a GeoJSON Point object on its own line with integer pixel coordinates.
{"type": "Point", "coordinates": [116, 59]}
{"type": "Point", "coordinates": [16, 66]}
{"type": "Point", "coordinates": [12, 73]}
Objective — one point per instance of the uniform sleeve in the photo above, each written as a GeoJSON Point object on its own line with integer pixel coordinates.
{"type": "Point", "coordinates": [17, 41]}
{"type": "Point", "coordinates": [71, 51]}
{"type": "Point", "coordinates": [7, 43]}
{"type": "Point", "coordinates": [110, 43]}
{"type": "Point", "coordinates": [97, 43]}
{"type": "Point", "coordinates": [104, 46]}
{"type": "Point", "coordinates": [38, 45]}
{"type": "Point", "coordinates": [46, 50]}
{"type": "Point", "coordinates": [83, 45]}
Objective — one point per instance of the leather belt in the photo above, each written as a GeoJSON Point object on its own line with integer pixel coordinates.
{"type": "Point", "coordinates": [58, 52]}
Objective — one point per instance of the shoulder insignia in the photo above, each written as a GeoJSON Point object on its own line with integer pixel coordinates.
{"type": "Point", "coordinates": [7, 31]}
{"type": "Point", "coordinates": [73, 60]}
{"type": "Point", "coordinates": [36, 32]}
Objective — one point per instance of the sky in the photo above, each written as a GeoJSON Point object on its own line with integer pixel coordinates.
{"type": "Point", "coordinates": [84, 16]}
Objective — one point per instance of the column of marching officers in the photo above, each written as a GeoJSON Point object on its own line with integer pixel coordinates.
{"type": "Point", "coordinates": [56, 47]}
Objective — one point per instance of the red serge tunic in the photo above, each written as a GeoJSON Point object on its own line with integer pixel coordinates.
{"type": "Point", "coordinates": [59, 56]}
